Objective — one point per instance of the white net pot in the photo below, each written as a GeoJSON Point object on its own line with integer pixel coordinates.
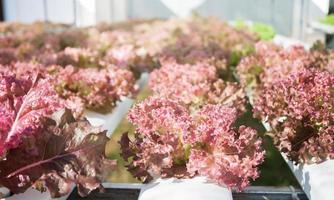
{"type": "Point", "coordinates": [197, 188]}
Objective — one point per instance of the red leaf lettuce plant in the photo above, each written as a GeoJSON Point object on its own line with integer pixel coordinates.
{"type": "Point", "coordinates": [42, 145]}
{"type": "Point", "coordinates": [96, 89]}
{"type": "Point", "coordinates": [299, 109]}
{"type": "Point", "coordinates": [172, 142]}
{"type": "Point", "coordinates": [293, 93]}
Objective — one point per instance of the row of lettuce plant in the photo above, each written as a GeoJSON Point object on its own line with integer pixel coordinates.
{"type": "Point", "coordinates": [51, 73]}
{"type": "Point", "coordinates": [292, 90]}
{"type": "Point", "coordinates": [96, 66]}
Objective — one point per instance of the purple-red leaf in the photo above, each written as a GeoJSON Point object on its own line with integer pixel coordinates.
{"type": "Point", "coordinates": [23, 104]}
{"type": "Point", "coordinates": [66, 152]}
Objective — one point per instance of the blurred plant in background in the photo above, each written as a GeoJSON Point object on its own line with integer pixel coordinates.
{"type": "Point", "coordinates": [329, 19]}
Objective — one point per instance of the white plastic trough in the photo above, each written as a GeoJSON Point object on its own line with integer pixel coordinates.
{"type": "Point", "coordinates": [32, 194]}
{"type": "Point", "coordinates": [324, 28]}
{"type": "Point", "coordinates": [317, 180]}
{"type": "Point", "coordinates": [197, 188]}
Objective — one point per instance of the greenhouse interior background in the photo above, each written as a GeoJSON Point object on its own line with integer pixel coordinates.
{"type": "Point", "coordinates": [309, 24]}
{"type": "Point", "coordinates": [294, 19]}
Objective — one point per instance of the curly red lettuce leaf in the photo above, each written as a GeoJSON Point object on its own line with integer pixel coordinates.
{"type": "Point", "coordinates": [23, 104]}
{"type": "Point", "coordinates": [67, 152]}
